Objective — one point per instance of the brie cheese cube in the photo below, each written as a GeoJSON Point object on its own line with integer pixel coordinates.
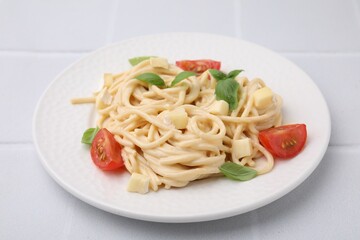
{"type": "Point", "coordinates": [138, 183]}
{"type": "Point", "coordinates": [104, 99]}
{"type": "Point", "coordinates": [219, 108]}
{"type": "Point", "coordinates": [242, 148]}
{"type": "Point", "coordinates": [263, 97]}
{"type": "Point", "coordinates": [108, 79]}
{"type": "Point", "coordinates": [159, 62]}
{"type": "Point", "coordinates": [179, 118]}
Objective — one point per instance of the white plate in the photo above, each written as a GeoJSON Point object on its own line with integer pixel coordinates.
{"type": "Point", "coordinates": [58, 127]}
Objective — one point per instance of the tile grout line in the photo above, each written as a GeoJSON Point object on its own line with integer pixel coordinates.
{"type": "Point", "coordinates": [69, 217]}
{"type": "Point", "coordinates": [42, 53]}
{"type": "Point", "coordinates": [329, 54]}
{"type": "Point", "coordinates": [79, 53]}
{"type": "Point", "coordinates": [112, 22]}
{"type": "Point", "coordinates": [254, 219]}
{"type": "Point", "coordinates": [237, 16]}
{"type": "Point", "coordinates": [17, 143]}
{"type": "Point", "coordinates": [16, 146]}
{"type": "Point", "coordinates": [357, 11]}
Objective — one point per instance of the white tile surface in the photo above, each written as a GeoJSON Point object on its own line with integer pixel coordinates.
{"type": "Point", "coordinates": [54, 25]}
{"type": "Point", "coordinates": [322, 207]}
{"type": "Point", "coordinates": [23, 79]}
{"type": "Point", "coordinates": [141, 17]}
{"type": "Point", "coordinates": [311, 211]}
{"type": "Point", "coordinates": [30, 197]}
{"type": "Point", "coordinates": [323, 25]}
{"type": "Point", "coordinates": [337, 77]}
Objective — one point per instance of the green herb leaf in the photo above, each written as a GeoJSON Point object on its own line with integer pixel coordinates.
{"type": "Point", "coordinates": [89, 135]}
{"type": "Point", "coordinates": [181, 76]}
{"type": "Point", "coordinates": [136, 60]}
{"type": "Point", "coordinates": [218, 75]}
{"type": "Point", "coordinates": [151, 78]}
{"type": "Point", "coordinates": [234, 73]}
{"type": "Point", "coordinates": [227, 90]}
{"type": "Point", "coordinates": [237, 172]}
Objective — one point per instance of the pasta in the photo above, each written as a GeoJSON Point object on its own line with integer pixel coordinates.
{"type": "Point", "coordinates": [141, 117]}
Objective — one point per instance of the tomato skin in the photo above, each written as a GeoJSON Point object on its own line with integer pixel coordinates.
{"type": "Point", "coordinates": [284, 141]}
{"type": "Point", "coordinates": [106, 151]}
{"type": "Point", "coordinates": [198, 66]}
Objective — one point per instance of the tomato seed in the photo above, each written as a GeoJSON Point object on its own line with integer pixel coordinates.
{"type": "Point", "coordinates": [288, 143]}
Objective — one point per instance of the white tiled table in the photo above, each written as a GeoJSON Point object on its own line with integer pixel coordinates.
{"type": "Point", "coordinates": [38, 39]}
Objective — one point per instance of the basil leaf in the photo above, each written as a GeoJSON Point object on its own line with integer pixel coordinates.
{"type": "Point", "coordinates": [237, 172]}
{"type": "Point", "coordinates": [89, 135]}
{"type": "Point", "coordinates": [227, 90]}
{"type": "Point", "coordinates": [218, 75]}
{"type": "Point", "coordinates": [181, 76]}
{"type": "Point", "coordinates": [151, 78]}
{"type": "Point", "coordinates": [234, 73]}
{"type": "Point", "coordinates": [136, 60]}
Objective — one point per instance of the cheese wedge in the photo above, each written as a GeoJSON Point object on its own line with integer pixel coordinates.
{"type": "Point", "coordinates": [219, 108]}
{"type": "Point", "coordinates": [263, 97]}
{"type": "Point", "coordinates": [159, 62]}
{"type": "Point", "coordinates": [108, 79]}
{"type": "Point", "coordinates": [179, 118]}
{"type": "Point", "coordinates": [242, 148]}
{"type": "Point", "coordinates": [138, 183]}
{"type": "Point", "coordinates": [103, 99]}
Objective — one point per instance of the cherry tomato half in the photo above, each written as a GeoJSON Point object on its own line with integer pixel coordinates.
{"type": "Point", "coordinates": [198, 66]}
{"type": "Point", "coordinates": [106, 151]}
{"type": "Point", "coordinates": [284, 141]}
